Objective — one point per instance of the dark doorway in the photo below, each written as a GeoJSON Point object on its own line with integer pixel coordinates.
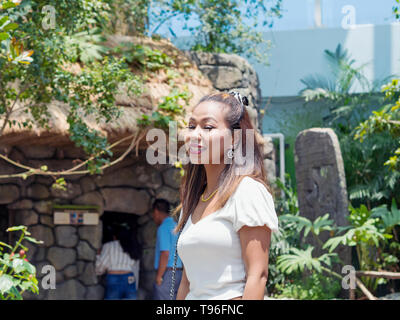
{"type": "Point", "coordinates": [111, 218]}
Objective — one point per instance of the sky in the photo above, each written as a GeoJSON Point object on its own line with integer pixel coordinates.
{"type": "Point", "coordinates": [299, 14]}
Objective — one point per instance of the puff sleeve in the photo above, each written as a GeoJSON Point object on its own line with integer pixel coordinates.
{"type": "Point", "coordinates": [253, 206]}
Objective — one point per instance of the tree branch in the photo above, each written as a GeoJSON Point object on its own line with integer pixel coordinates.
{"type": "Point", "coordinates": [32, 171]}
{"type": "Point", "coordinates": [9, 111]}
{"type": "Point", "coordinates": [379, 274]}
{"type": "Point", "coordinates": [162, 21]}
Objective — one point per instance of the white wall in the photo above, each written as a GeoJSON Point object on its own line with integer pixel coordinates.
{"type": "Point", "coordinates": [296, 54]}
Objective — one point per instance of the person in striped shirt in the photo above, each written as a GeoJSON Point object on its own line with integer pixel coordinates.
{"type": "Point", "coordinates": [120, 259]}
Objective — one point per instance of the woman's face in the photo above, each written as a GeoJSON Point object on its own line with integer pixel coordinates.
{"type": "Point", "coordinates": [208, 137]}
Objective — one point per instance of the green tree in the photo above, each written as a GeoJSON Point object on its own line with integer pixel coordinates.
{"type": "Point", "coordinates": [368, 232]}
{"type": "Point", "coordinates": [17, 274]}
{"type": "Point", "coordinates": [385, 121]}
{"type": "Point", "coordinates": [13, 51]}
{"type": "Point", "coordinates": [337, 89]}
{"type": "Point", "coordinates": [34, 81]}
{"type": "Point", "coordinates": [367, 181]}
{"type": "Point", "coordinates": [130, 17]}
{"type": "Point", "coordinates": [222, 25]}
{"type": "Point", "coordinates": [396, 9]}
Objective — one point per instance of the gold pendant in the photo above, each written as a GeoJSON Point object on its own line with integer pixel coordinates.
{"type": "Point", "coordinates": [202, 198]}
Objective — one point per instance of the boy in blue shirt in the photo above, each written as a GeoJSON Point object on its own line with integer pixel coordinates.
{"type": "Point", "coordinates": [164, 252]}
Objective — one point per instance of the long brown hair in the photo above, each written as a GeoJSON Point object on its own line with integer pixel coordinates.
{"type": "Point", "coordinates": [194, 181]}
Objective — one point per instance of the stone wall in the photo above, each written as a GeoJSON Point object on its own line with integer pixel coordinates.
{"type": "Point", "coordinates": [231, 72]}
{"type": "Point", "coordinates": [129, 187]}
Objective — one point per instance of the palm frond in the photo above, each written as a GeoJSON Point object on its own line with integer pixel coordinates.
{"type": "Point", "coordinates": [322, 223]}
{"type": "Point", "coordinates": [86, 45]}
{"type": "Point", "coordinates": [301, 259]}
{"type": "Point", "coordinates": [390, 218]}
{"type": "Point", "coordinates": [332, 243]}
{"type": "Point", "coordinates": [317, 81]}
{"type": "Point", "coordinates": [359, 192]}
{"type": "Point", "coordinates": [342, 77]}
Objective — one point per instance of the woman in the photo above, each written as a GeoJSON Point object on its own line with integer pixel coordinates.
{"type": "Point", "coordinates": [227, 212]}
{"type": "Point", "coordinates": [120, 259]}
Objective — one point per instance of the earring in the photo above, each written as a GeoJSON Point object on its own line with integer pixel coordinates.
{"type": "Point", "coordinates": [230, 153]}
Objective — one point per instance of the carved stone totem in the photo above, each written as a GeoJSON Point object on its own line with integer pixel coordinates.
{"type": "Point", "coordinates": [321, 185]}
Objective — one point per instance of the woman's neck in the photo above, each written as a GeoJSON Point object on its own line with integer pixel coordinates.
{"type": "Point", "coordinates": [213, 171]}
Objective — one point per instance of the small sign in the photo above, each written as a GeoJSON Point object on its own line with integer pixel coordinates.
{"type": "Point", "coordinates": [76, 217]}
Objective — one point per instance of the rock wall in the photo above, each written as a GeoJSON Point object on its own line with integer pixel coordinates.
{"type": "Point", "coordinates": [129, 187]}
{"type": "Point", "coordinates": [231, 72]}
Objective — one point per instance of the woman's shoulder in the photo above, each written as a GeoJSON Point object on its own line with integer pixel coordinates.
{"type": "Point", "coordinates": [248, 185]}
{"type": "Point", "coordinates": [253, 205]}
{"type": "Point", "coordinates": [248, 189]}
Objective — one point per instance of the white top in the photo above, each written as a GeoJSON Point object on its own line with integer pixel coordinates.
{"type": "Point", "coordinates": [113, 257]}
{"type": "Point", "coordinates": [210, 249]}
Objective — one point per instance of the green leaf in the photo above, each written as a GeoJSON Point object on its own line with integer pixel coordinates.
{"type": "Point", "coordinates": [4, 36]}
{"type": "Point", "coordinates": [322, 223]}
{"type": "Point", "coordinates": [300, 259]}
{"type": "Point", "coordinates": [16, 293]}
{"type": "Point", "coordinates": [11, 26]}
{"type": "Point", "coordinates": [29, 267]}
{"type": "Point", "coordinates": [5, 245]}
{"type": "Point", "coordinates": [16, 228]}
{"type": "Point", "coordinates": [6, 282]}
{"type": "Point", "coordinates": [3, 20]}
{"type": "Point", "coordinates": [8, 5]}
{"type": "Point", "coordinates": [33, 240]}
{"type": "Point", "coordinates": [18, 265]}
{"type": "Point", "coordinates": [25, 285]}
{"type": "Point", "coordinates": [332, 243]}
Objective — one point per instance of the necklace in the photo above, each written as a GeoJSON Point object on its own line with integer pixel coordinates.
{"type": "Point", "coordinates": [204, 200]}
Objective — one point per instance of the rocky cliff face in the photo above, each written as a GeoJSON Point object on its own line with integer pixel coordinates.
{"type": "Point", "coordinates": [231, 72]}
